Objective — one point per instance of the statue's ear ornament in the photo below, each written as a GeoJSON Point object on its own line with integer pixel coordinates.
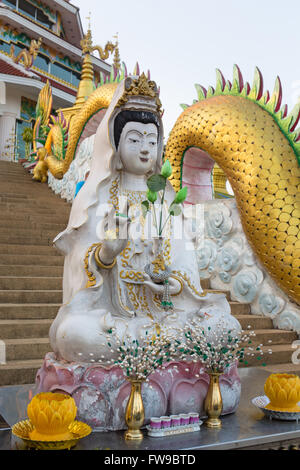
{"type": "Point", "coordinates": [140, 92]}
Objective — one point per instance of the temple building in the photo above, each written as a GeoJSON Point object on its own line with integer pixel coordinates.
{"type": "Point", "coordinates": [39, 41]}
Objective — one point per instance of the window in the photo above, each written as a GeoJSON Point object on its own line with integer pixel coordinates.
{"type": "Point", "coordinates": [19, 48]}
{"type": "Point", "coordinates": [75, 79]}
{"type": "Point", "coordinates": [4, 46]}
{"type": "Point", "coordinates": [43, 19]}
{"type": "Point", "coordinates": [61, 72]}
{"type": "Point", "coordinates": [11, 3]}
{"type": "Point", "coordinates": [42, 62]}
{"type": "Point", "coordinates": [27, 9]}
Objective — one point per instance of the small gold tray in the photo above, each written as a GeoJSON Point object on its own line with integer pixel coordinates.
{"type": "Point", "coordinates": [77, 428]}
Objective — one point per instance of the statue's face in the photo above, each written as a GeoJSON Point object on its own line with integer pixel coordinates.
{"type": "Point", "coordinates": [138, 147]}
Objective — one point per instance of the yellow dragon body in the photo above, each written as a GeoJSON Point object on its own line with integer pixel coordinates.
{"type": "Point", "coordinates": [253, 140]}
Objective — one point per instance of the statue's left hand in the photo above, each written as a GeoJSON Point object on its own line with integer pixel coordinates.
{"type": "Point", "coordinates": [174, 285]}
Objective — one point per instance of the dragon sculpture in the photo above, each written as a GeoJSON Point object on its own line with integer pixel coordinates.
{"type": "Point", "coordinates": [248, 134]}
{"type": "Point", "coordinates": [255, 142]}
{"type": "Point", "coordinates": [27, 56]}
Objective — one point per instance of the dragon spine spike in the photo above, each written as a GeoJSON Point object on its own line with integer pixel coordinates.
{"type": "Point", "coordinates": [136, 70]}
{"type": "Point", "coordinates": [184, 106]}
{"type": "Point", "coordinates": [274, 103]}
{"type": "Point", "coordinates": [238, 82]}
{"type": "Point", "coordinates": [220, 82]}
{"type": "Point", "coordinates": [295, 116]}
{"type": "Point", "coordinates": [116, 74]}
{"type": "Point", "coordinates": [122, 72]}
{"type": "Point", "coordinates": [265, 97]}
{"type": "Point", "coordinates": [227, 88]}
{"type": "Point", "coordinates": [284, 111]}
{"type": "Point", "coordinates": [112, 75]}
{"type": "Point", "coordinates": [297, 136]}
{"type": "Point", "coordinates": [210, 91]}
{"type": "Point", "coordinates": [256, 91]}
{"type": "Point", "coordinates": [201, 92]}
{"type": "Point", "coordinates": [148, 75]}
{"type": "Point", "coordinates": [125, 70]}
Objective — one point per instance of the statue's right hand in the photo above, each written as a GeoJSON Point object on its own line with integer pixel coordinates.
{"type": "Point", "coordinates": [115, 228]}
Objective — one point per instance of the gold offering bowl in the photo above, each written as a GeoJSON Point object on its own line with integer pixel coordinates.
{"type": "Point", "coordinates": [77, 430]}
{"type": "Point", "coordinates": [51, 414]}
{"type": "Point", "coordinates": [283, 391]}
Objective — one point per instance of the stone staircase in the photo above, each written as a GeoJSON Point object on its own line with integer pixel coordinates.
{"type": "Point", "coordinates": [30, 270]}
{"type": "Point", "coordinates": [31, 281]}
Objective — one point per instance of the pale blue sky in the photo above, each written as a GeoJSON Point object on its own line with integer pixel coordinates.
{"type": "Point", "coordinates": [183, 42]}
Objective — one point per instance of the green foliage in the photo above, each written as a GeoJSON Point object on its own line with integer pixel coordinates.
{"type": "Point", "coordinates": [156, 183]}
{"type": "Point", "coordinates": [166, 170]}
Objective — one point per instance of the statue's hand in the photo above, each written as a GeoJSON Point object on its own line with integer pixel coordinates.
{"type": "Point", "coordinates": [174, 285]}
{"type": "Point", "coordinates": [116, 238]}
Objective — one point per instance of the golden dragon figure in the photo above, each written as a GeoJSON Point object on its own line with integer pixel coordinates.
{"type": "Point", "coordinates": [27, 56]}
{"type": "Point", "coordinates": [104, 53]}
{"type": "Point", "coordinates": [254, 141]}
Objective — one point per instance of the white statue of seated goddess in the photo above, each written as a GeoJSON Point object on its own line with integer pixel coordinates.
{"type": "Point", "coordinates": [105, 286]}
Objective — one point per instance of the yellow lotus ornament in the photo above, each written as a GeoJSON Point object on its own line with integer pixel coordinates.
{"type": "Point", "coordinates": [283, 391]}
{"type": "Point", "coordinates": [51, 415]}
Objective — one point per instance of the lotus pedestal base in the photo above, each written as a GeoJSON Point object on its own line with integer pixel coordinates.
{"type": "Point", "coordinates": [101, 394]}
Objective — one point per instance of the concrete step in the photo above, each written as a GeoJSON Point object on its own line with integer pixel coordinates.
{"type": "Point", "coordinates": [30, 225]}
{"type": "Point", "coordinates": [35, 219]}
{"type": "Point", "coordinates": [19, 372]}
{"type": "Point", "coordinates": [30, 283]}
{"type": "Point", "coordinates": [26, 348]}
{"type": "Point", "coordinates": [219, 291]}
{"type": "Point", "coordinates": [24, 328]}
{"type": "Point", "coordinates": [39, 260]}
{"type": "Point", "coordinates": [17, 239]}
{"type": "Point", "coordinates": [270, 337]}
{"type": "Point", "coordinates": [25, 208]}
{"type": "Point", "coordinates": [35, 271]}
{"type": "Point", "coordinates": [254, 321]}
{"type": "Point", "coordinates": [30, 297]}
{"type": "Point", "coordinates": [29, 250]}
{"type": "Point", "coordinates": [205, 283]}
{"type": "Point", "coordinates": [288, 368]}
{"type": "Point", "coordinates": [28, 311]}
{"type": "Point", "coordinates": [33, 232]}
{"type": "Point", "coordinates": [238, 308]}
{"type": "Point", "coordinates": [281, 354]}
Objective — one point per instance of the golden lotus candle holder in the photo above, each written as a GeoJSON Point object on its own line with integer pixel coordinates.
{"type": "Point", "coordinates": [283, 391]}
{"type": "Point", "coordinates": [51, 423]}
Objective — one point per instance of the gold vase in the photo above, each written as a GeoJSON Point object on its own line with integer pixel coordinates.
{"type": "Point", "coordinates": [135, 414]}
{"type": "Point", "coordinates": [213, 402]}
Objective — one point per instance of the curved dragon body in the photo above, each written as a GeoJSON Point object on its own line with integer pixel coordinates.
{"type": "Point", "coordinates": [255, 144]}
{"type": "Point", "coordinates": [63, 138]}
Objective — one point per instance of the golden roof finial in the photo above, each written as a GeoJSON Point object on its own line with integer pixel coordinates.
{"type": "Point", "coordinates": [117, 62]}
{"type": "Point", "coordinates": [87, 43]}
{"type": "Point", "coordinates": [89, 20]}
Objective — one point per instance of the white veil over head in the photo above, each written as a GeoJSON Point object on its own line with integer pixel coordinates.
{"type": "Point", "coordinates": [103, 165]}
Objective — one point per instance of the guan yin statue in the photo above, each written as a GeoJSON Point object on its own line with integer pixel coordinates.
{"type": "Point", "coordinates": [105, 286]}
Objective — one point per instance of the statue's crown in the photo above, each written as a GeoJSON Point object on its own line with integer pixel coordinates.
{"type": "Point", "coordinates": [140, 93]}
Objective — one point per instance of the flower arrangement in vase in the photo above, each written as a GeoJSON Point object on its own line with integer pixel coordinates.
{"type": "Point", "coordinates": [158, 270]}
{"type": "Point", "coordinates": [138, 360]}
{"type": "Point", "coordinates": [217, 350]}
